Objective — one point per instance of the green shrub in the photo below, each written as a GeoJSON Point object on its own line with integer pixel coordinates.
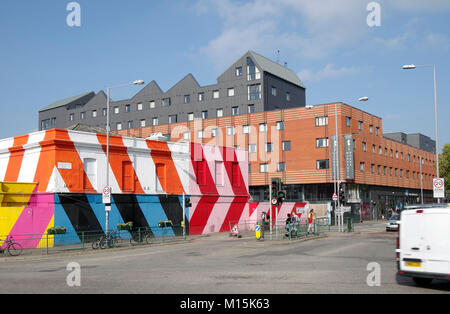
{"type": "Point", "coordinates": [57, 230]}
{"type": "Point", "coordinates": [127, 226]}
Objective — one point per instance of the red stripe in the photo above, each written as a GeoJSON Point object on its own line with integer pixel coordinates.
{"type": "Point", "coordinates": [206, 203]}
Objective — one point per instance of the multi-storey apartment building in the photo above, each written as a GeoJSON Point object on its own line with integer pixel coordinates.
{"type": "Point", "coordinates": [296, 145]}
{"type": "Point", "coordinates": [252, 84]}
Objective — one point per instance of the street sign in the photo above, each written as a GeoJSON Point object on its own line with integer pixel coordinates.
{"type": "Point", "coordinates": [335, 197]}
{"type": "Point", "coordinates": [106, 195]}
{"type": "Point", "coordinates": [274, 201]}
{"type": "Point", "coordinates": [438, 188]}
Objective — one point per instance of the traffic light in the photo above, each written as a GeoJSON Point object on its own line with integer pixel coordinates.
{"type": "Point", "coordinates": [276, 186]}
{"type": "Point", "coordinates": [342, 196]}
{"type": "Point", "coordinates": [187, 202]}
{"type": "Point", "coordinates": [281, 196]}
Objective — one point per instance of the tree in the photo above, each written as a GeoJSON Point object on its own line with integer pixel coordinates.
{"type": "Point", "coordinates": [444, 167]}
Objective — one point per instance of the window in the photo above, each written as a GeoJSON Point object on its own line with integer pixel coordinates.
{"type": "Point", "coordinates": [94, 113]}
{"type": "Point", "coordinates": [323, 164]}
{"type": "Point", "coordinates": [139, 107]}
{"type": "Point", "coordinates": [246, 129]}
{"type": "Point", "coordinates": [288, 96]}
{"type": "Point", "coordinates": [166, 102]}
{"type": "Point", "coordinates": [263, 168]}
{"type": "Point", "coordinates": [71, 117]}
{"type": "Point", "coordinates": [401, 155]}
{"type": "Point", "coordinates": [409, 157]}
{"type": "Point", "coordinates": [215, 94]}
{"type": "Point", "coordinates": [190, 116]}
{"type": "Point", "coordinates": [127, 108]}
{"type": "Point", "coordinates": [396, 154]}
{"type": "Point", "coordinates": [364, 146]}
{"type": "Point", "coordinates": [380, 150]}
{"type": "Point", "coordinates": [348, 121]}
{"type": "Point", "coordinates": [90, 168]}
{"type": "Point", "coordinates": [235, 111]}
{"type": "Point", "coordinates": [262, 127]}
{"type": "Point", "coordinates": [116, 110]}
{"type": "Point", "coordinates": [152, 104]}
{"type": "Point", "coordinates": [361, 166]}
{"type": "Point", "coordinates": [205, 114]}
{"type": "Point", "coordinates": [160, 177]}
{"type": "Point", "coordinates": [269, 147]}
{"type": "Point", "coordinates": [200, 134]}
{"type": "Point", "coordinates": [360, 123]}
{"type": "Point", "coordinates": [379, 169]}
{"type": "Point", "coordinates": [201, 97]}
{"type": "Point", "coordinates": [252, 70]}
{"type": "Point", "coordinates": [239, 71]}
{"type": "Point", "coordinates": [251, 148]}
{"type": "Point", "coordinates": [281, 167]}
{"type": "Point", "coordinates": [118, 126]}
{"type": "Point", "coordinates": [377, 131]}
{"type": "Point", "coordinates": [371, 128]}
{"type": "Point", "coordinates": [230, 130]}
{"type": "Point", "coordinates": [385, 170]}
{"type": "Point", "coordinates": [321, 121]}
{"type": "Point", "coordinates": [219, 173]}
{"type": "Point", "coordinates": [173, 118]}
{"type": "Point", "coordinates": [155, 121]}
{"type": "Point", "coordinates": [45, 124]}
{"type": "Point", "coordinates": [392, 153]}
{"type": "Point", "coordinates": [254, 92]}
{"type": "Point", "coordinates": [286, 145]}
{"type": "Point", "coordinates": [187, 99]}
{"type": "Point", "coordinates": [407, 174]}
{"type": "Point", "coordinates": [130, 124]}
{"type": "Point", "coordinates": [214, 132]}
{"type": "Point", "coordinates": [250, 108]}
{"type": "Point", "coordinates": [186, 135]}
{"type": "Point", "coordinates": [231, 92]}
{"type": "Point", "coordinates": [83, 115]}
{"type": "Point", "coordinates": [274, 91]}
{"type": "Point", "coordinates": [322, 142]}
{"type": "Point", "coordinates": [219, 113]}
{"type": "Point", "coordinates": [280, 125]}
{"type": "Point", "coordinates": [374, 149]}
{"type": "Point", "coordinates": [104, 112]}
{"type": "Point", "coordinates": [372, 168]}
{"type": "Point", "coordinates": [142, 123]}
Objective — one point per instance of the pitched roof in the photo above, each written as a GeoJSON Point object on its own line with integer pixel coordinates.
{"type": "Point", "coordinates": [276, 69]}
{"type": "Point", "coordinates": [66, 101]}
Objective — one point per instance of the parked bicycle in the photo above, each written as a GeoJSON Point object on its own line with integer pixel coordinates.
{"type": "Point", "coordinates": [112, 239]}
{"type": "Point", "coordinates": [12, 248]}
{"type": "Point", "coordinates": [141, 236]}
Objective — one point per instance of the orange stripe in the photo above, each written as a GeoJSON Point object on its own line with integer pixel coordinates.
{"type": "Point", "coordinates": [16, 158]}
{"type": "Point", "coordinates": [58, 147]}
{"type": "Point", "coordinates": [161, 154]}
{"type": "Point", "coordinates": [119, 160]}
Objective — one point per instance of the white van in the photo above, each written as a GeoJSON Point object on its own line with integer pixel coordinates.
{"type": "Point", "coordinates": [423, 243]}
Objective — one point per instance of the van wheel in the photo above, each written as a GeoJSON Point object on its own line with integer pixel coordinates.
{"type": "Point", "coordinates": [422, 281]}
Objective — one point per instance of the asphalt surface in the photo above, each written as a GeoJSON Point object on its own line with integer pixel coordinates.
{"type": "Point", "coordinates": [221, 264]}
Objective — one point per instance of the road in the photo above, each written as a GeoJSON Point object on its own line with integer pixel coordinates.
{"type": "Point", "coordinates": [223, 265]}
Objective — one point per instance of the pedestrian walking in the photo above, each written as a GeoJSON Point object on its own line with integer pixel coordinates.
{"type": "Point", "coordinates": [288, 224]}
{"type": "Point", "coordinates": [311, 220]}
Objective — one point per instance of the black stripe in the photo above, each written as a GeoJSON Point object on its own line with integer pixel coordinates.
{"type": "Point", "coordinates": [130, 210]}
{"type": "Point", "coordinates": [80, 213]}
{"type": "Point", "coordinates": [174, 212]}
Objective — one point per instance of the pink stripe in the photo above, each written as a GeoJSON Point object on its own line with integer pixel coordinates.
{"type": "Point", "coordinates": [32, 223]}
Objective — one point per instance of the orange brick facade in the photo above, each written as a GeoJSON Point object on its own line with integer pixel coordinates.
{"type": "Point", "coordinates": [383, 162]}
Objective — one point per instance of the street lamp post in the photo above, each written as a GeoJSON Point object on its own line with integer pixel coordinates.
{"type": "Point", "coordinates": [108, 206]}
{"type": "Point", "coordinates": [411, 67]}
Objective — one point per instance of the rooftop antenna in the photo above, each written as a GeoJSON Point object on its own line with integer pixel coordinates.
{"type": "Point", "coordinates": [278, 56]}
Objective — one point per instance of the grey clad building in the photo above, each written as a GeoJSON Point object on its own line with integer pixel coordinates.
{"type": "Point", "coordinates": [252, 84]}
{"type": "Point", "coordinates": [416, 140]}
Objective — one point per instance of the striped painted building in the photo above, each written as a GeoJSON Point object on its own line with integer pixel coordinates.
{"type": "Point", "coordinates": [56, 177]}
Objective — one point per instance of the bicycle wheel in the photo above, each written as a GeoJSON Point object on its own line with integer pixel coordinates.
{"type": "Point", "coordinates": [96, 244]}
{"type": "Point", "coordinates": [148, 239]}
{"type": "Point", "coordinates": [15, 249]}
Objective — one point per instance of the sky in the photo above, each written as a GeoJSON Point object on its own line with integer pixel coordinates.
{"type": "Point", "coordinates": [341, 49]}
